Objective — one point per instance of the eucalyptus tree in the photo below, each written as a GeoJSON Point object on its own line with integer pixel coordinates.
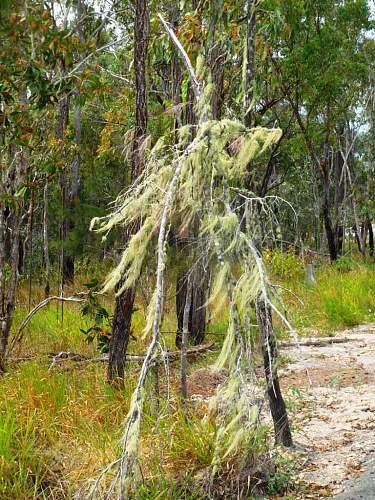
{"type": "Point", "coordinates": [125, 297]}
{"type": "Point", "coordinates": [28, 45]}
{"type": "Point", "coordinates": [316, 52]}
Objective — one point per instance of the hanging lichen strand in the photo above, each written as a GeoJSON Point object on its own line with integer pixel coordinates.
{"type": "Point", "coordinates": [193, 181]}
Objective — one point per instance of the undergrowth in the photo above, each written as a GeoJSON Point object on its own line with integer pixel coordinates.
{"type": "Point", "coordinates": [344, 294]}
{"type": "Point", "coordinates": [60, 427]}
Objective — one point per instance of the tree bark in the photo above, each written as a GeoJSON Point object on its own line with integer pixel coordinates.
{"type": "Point", "coordinates": [185, 333]}
{"type": "Point", "coordinates": [120, 335]}
{"type": "Point", "coordinates": [340, 195]}
{"type": "Point", "coordinates": [197, 316]}
{"type": "Point", "coordinates": [328, 226]}
{"type": "Point", "coordinates": [12, 179]}
{"type": "Point", "coordinates": [125, 301]}
{"type": "Point", "coordinates": [279, 414]}
{"type": "Point", "coordinates": [62, 123]}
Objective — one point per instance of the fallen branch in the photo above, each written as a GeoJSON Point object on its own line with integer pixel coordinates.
{"type": "Point", "coordinates": [315, 342]}
{"type": "Point", "coordinates": [62, 356]}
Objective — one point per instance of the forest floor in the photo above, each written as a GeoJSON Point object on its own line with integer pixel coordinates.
{"type": "Point", "coordinates": [334, 415]}
{"type": "Point", "coordinates": [60, 425]}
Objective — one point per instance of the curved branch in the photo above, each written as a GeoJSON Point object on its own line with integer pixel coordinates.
{"type": "Point", "coordinates": [37, 308]}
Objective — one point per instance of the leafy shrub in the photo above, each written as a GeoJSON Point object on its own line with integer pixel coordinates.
{"type": "Point", "coordinates": [92, 308]}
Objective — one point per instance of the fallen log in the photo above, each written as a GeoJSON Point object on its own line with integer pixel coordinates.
{"type": "Point", "coordinates": [60, 357]}
{"type": "Point", "coordinates": [319, 342]}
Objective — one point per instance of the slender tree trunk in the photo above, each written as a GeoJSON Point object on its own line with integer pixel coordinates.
{"type": "Point", "coordinates": [185, 334]}
{"type": "Point", "coordinates": [125, 301]}
{"type": "Point", "coordinates": [47, 263]}
{"type": "Point", "coordinates": [62, 123]}
{"type": "Point", "coordinates": [71, 200]}
{"type": "Point", "coordinates": [331, 240]}
{"type": "Point", "coordinates": [340, 195]}
{"type": "Point", "coordinates": [279, 414]}
{"type": "Point", "coordinates": [197, 317]}
{"type": "Point", "coordinates": [12, 179]}
{"type": "Point", "coordinates": [370, 236]}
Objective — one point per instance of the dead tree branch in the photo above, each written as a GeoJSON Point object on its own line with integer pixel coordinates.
{"type": "Point", "coordinates": [17, 336]}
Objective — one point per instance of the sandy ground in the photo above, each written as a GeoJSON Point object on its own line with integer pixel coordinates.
{"type": "Point", "coordinates": [331, 395]}
{"type": "Point", "coordinates": [334, 416]}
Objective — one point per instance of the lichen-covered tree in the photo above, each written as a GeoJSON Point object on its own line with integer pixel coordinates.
{"type": "Point", "coordinates": [198, 181]}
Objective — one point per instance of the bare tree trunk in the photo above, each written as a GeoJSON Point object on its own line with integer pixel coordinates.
{"type": "Point", "coordinates": [71, 201]}
{"type": "Point", "coordinates": [197, 317]}
{"type": "Point", "coordinates": [12, 179]}
{"type": "Point", "coordinates": [62, 123]}
{"type": "Point", "coordinates": [71, 185]}
{"type": "Point", "coordinates": [279, 414]}
{"type": "Point", "coordinates": [120, 335]}
{"type": "Point", "coordinates": [125, 301]}
{"type": "Point", "coordinates": [331, 240]}
{"type": "Point", "coordinates": [370, 236]}
{"type": "Point", "coordinates": [340, 193]}
{"type": "Point", "coordinates": [47, 263]}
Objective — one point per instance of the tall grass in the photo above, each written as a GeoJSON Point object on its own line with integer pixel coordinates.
{"type": "Point", "coordinates": [58, 428]}
{"type": "Point", "coordinates": [344, 295]}
{"type": "Point", "coordinates": [21, 463]}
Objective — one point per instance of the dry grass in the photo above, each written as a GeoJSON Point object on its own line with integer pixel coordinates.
{"type": "Point", "coordinates": [59, 428]}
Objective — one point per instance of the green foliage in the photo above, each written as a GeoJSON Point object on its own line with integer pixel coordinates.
{"type": "Point", "coordinates": [93, 309]}
{"type": "Point", "coordinates": [285, 266]}
{"type": "Point", "coordinates": [285, 473]}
